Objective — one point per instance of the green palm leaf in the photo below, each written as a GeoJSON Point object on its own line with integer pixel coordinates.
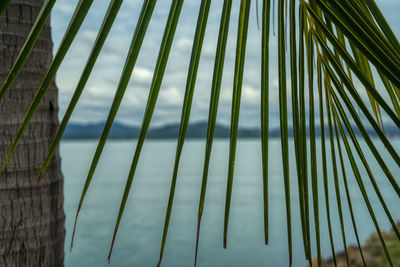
{"type": "Point", "coordinates": [29, 43]}
{"type": "Point", "coordinates": [265, 104]}
{"type": "Point", "coordinates": [352, 43]}
{"type": "Point", "coordinates": [187, 104]}
{"type": "Point", "coordinates": [283, 120]}
{"type": "Point", "coordinates": [237, 91]}
{"type": "Point", "coordinates": [212, 115]}
{"type": "Point", "coordinates": [349, 201]}
{"type": "Point", "coordinates": [301, 141]}
{"type": "Point", "coordinates": [335, 171]}
{"type": "Point", "coordinates": [362, 188]}
{"type": "Point", "coordinates": [3, 6]}
{"type": "Point", "coordinates": [162, 60]}
{"type": "Point", "coordinates": [137, 40]}
{"type": "Point", "coordinates": [79, 15]}
{"type": "Point", "coordinates": [324, 161]}
{"type": "Point", "coordinates": [101, 37]}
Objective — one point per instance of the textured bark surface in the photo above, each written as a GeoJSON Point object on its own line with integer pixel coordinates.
{"type": "Point", "coordinates": [31, 214]}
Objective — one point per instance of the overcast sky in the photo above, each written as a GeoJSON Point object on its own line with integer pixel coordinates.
{"type": "Point", "coordinates": [97, 97]}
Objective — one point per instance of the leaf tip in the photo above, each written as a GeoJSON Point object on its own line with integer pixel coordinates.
{"type": "Point", "coordinates": [74, 230]}
{"type": "Point", "coordinates": [3, 168]}
{"type": "Point", "coordinates": [159, 260]}
{"type": "Point", "coordinates": [112, 246]}
{"type": "Point", "coordinates": [197, 238]}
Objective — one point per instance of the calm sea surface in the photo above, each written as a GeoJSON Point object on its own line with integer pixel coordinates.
{"type": "Point", "coordinates": [138, 240]}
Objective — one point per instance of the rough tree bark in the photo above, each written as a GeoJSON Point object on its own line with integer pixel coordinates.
{"type": "Point", "coordinates": [31, 214]}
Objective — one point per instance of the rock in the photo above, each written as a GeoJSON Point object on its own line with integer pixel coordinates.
{"type": "Point", "coordinates": [372, 250]}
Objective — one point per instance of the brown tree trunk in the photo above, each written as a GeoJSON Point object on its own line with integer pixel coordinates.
{"type": "Point", "coordinates": [31, 214]}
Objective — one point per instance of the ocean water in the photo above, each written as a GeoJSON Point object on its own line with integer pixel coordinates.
{"type": "Point", "coordinates": [139, 237]}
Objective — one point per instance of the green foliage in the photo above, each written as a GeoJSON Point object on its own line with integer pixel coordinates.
{"type": "Point", "coordinates": [351, 43]}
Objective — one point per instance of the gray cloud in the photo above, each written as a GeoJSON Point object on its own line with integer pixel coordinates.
{"type": "Point", "coordinates": [96, 100]}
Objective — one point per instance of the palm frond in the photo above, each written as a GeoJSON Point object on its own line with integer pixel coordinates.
{"type": "Point", "coordinates": [29, 43]}
{"type": "Point", "coordinates": [101, 38]}
{"type": "Point", "coordinates": [76, 21]}
{"type": "Point", "coordinates": [212, 115]}
{"type": "Point", "coordinates": [3, 6]}
{"type": "Point", "coordinates": [136, 43]}
{"type": "Point", "coordinates": [356, 53]}
{"type": "Point", "coordinates": [265, 104]}
{"type": "Point", "coordinates": [165, 48]}
{"type": "Point", "coordinates": [187, 105]}
{"type": "Point", "coordinates": [243, 24]}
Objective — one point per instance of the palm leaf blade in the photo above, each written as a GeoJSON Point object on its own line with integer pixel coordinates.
{"type": "Point", "coordinates": [187, 104]}
{"type": "Point", "coordinates": [101, 37]}
{"type": "Point", "coordinates": [283, 120]}
{"type": "Point", "coordinates": [237, 90]}
{"type": "Point", "coordinates": [3, 5]}
{"type": "Point", "coordinates": [28, 45]}
{"type": "Point", "coordinates": [265, 107]}
{"type": "Point", "coordinates": [141, 28]}
{"type": "Point", "coordinates": [79, 15]}
{"type": "Point", "coordinates": [161, 64]}
{"type": "Point", "coordinates": [212, 116]}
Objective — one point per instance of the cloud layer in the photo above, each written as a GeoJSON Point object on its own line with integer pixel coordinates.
{"type": "Point", "coordinates": [97, 97]}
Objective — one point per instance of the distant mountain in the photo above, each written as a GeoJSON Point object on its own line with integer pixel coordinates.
{"type": "Point", "coordinates": [195, 130]}
{"type": "Point", "coordinates": [93, 130]}
{"type": "Point", "coordinates": [170, 131]}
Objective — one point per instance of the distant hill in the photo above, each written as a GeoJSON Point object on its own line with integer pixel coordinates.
{"type": "Point", "coordinates": [93, 130]}
{"type": "Point", "coordinates": [171, 131]}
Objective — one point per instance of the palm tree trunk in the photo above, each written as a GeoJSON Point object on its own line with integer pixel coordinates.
{"type": "Point", "coordinates": [31, 214]}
